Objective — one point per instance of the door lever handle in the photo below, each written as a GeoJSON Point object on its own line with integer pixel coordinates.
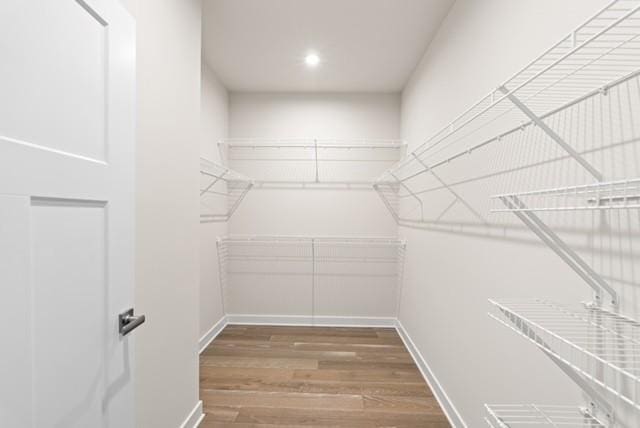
{"type": "Point", "coordinates": [128, 322]}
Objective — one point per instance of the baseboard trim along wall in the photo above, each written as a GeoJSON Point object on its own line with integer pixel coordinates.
{"type": "Point", "coordinates": [212, 334]}
{"type": "Point", "coordinates": [305, 320]}
{"type": "Point", "coordinates": [332, 321]}
{"type": "Point", "coordinates": [443, 399]}
{"type": "Point", "coordinates": [195, 417]}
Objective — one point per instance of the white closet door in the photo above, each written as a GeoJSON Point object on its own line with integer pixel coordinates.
{"type": "Point", "coordinates": [67, 89]}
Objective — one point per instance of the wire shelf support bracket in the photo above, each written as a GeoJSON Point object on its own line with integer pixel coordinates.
{"type": "Point", "coordinates": [596, 400]}
{"type": "Point", "coordinates": [551, 133]}
{"type": "Point", "coordinates": [564, 251]}
{"type": "Point", "coordinates": [456, 195]}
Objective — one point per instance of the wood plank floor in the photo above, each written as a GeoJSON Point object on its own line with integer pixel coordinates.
{"type": "Point", "coordinates": [263, 376]}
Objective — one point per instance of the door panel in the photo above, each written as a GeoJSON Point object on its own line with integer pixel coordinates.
{"type": "Point", "coordinates": [69, 312]}
{"type": "Point", "coordinates": [57, 78]}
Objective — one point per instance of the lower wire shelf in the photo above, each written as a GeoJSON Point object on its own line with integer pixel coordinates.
{"type": "Point", "coordinates": [601, 346]}
{"type": "Point", "coordinates": [533, 415]}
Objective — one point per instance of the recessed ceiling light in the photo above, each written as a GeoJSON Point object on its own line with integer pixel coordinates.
{"type": "Point", "coordinates": [312, 60]}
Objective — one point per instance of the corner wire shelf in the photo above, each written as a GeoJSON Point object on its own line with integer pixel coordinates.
{"type": "Point", "coordinates": [321, 261]}
{"type": "Point", "coordinates": [534, 415]}
{"type": "Point", "coordinates": [601, 346]}
{"type": "Point", "coordinates": [311, 162]}
{"type": "Point", "coordinates": [600, 54]}
{"type": "Point", "coordinates": [221, 191]}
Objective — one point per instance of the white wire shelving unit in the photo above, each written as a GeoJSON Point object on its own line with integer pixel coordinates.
{"type": "Point", "coordinates": [311, 162]}
{"type": "Point", "coordinates": [571, 110]}
{"type": "Point", "coordinates": [311, 275]}
{"type": "Point", "coordinates": [221, 191]}
{"type": "Point", "coordinates": [534, 416]}
{"type": "Point", "coordinates": [600, 57]}
{"type": "Point", "coordinates": [567, 123]}
{"type": "Point", "coordinates": [599, 345]}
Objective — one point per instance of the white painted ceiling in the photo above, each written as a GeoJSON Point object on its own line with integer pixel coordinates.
{"type": "Point", "coordinates": [364, 45]}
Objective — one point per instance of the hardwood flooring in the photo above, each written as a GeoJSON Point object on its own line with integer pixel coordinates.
{"type": "Point", "coordinates": [274, 377]}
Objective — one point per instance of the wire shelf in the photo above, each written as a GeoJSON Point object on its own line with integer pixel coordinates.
{"type": "Point", "coordinates": [599, 52]}
{"type": "Point", "coordinates": [540, 105]}
{"type": "Point", "coordinates": [310, 143]}
{"type": "Point", "coordinates": [533, 415]}
{"type": "Point", "coordinates": [622, 194]}
{"type": "Point", "coordinates": [304, 275]}
{"type": "Point", "coordinates": [221, 191]}
{"type": "Point", "coordinates": [601, 346]}
{"type": "Point", "coordinates": [308, 161]}
{"type": "Point", "coordinates": [361, 240]}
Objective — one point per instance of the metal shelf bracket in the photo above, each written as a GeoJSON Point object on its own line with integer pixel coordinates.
{"type": "Point", "coordinates": [596, 400]}
{"type": "Point", "coordinates": [551, 133]}
{"type": "Point", "coordinates": [570, 257]}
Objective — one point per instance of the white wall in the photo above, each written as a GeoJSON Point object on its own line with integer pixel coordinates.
{"type": "Point", "coordinates": [309, 212]}
{"type": "Point", "coordinates": [321, 115]}
{"type": "Point", "coordinates": [168, 149]}
{"type": "Point", "coordinates": [295, 211]}
{"type": "Point", "coordinates": [450, 274]}
{"type": "Point", "coordinates": [214, 114]}
{"type": "Point", "coordinates": [214, 117]}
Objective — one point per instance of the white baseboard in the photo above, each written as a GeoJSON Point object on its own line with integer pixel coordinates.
{"type": "Point", "coordinates": [443, 399]}
{"type": "Point", "coordinates": [195, 417]}
{"type": "Point", "coordinates": [305, 320]}
{"type": "Point", "coordinates": [212, 334]}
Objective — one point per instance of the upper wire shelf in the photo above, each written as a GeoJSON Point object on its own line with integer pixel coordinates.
{"type": "Point", "coordinates": [601, 346]}
{"type": "Point", "coordinates": [321, 143]}
{"type": "Point", "coordinates": [221, 191]}
{"type": "Point", "coordinates": [597, 54]}
{"type": "Point", "coordinates": [291, 162]}
{"type": "Point", "coordinates": [621, 194]}
{"type": "Point", "coordinates": [533, 416]}
{"type": "Point", "coordinates": [330, 239]}
{"type": "Point", "coordinates": [601, 54]}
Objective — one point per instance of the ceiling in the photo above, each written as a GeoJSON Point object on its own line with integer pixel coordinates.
{"type": "Point", "coordinates": [364, 45]}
